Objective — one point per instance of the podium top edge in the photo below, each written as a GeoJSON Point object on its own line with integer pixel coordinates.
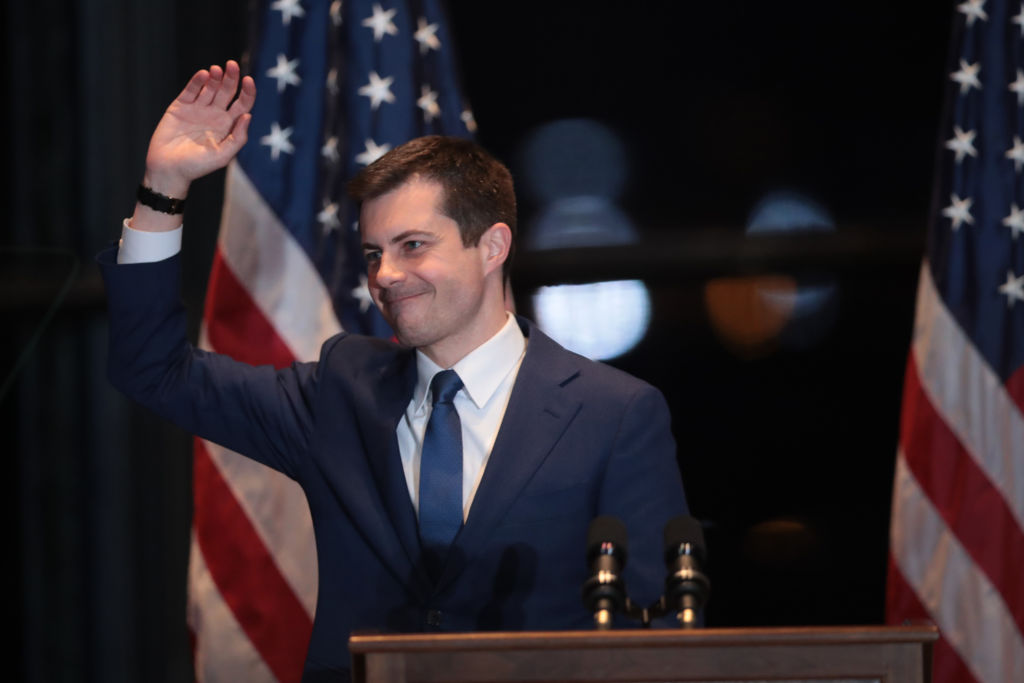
{"type": "Point", "coordinates": [501, 640]}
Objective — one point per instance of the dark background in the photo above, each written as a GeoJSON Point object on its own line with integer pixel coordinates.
{"type": "Point", "coordinates": [786, 451]}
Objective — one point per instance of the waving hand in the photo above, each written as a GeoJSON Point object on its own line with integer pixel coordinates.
{"type": "Point", "coordinates": [202, 130]}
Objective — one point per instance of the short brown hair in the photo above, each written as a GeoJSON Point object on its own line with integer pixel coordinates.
{"type": "Point", "coordinates": [477, 189]}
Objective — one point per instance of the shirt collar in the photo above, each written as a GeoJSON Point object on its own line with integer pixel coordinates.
{"type": "Point", "coordinates": [481, 370]}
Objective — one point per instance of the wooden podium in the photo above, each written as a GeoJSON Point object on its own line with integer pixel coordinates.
{"type": "Point", "coordinates": [886, 654]}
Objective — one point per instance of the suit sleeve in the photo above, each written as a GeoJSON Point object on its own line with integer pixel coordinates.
{"type": "Point", "coordinates": [261, 412]}
{"type": "Point", "coordinates": [642, 486]}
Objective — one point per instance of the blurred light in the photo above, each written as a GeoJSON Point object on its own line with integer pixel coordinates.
{"type": "Point", "coordinates": [743, 313]}
{"type": "Point", "coordinates": [572, 158]}
{"type": "Point", "coordinates": [600, 320]}
{"type": "Point", "coordinates": [784, 544]}
{"type": "Point", "coordinates": [753, 315]}
{"type": "Point", "coordinates": [575, 168]}
{"type": "Point", "coordinates": [580, 222]}
{"type": "Point", "coordinates": [788, 211]}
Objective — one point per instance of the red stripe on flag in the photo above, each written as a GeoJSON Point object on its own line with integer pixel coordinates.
{"type": "Point", "coordinates": [236, 326]}
{"type": "Point", "coordinates": [246, 575]}
{"type": "Point", "coordinates": [973, 508]}
{"type": "Point", "coordinates": [902, 604]}
{"type": "Point", "coordinates": [1015, 388]}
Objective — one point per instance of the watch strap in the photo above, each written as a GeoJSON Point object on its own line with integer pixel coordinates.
{"type": "Point", "coordinates": [159, 202]}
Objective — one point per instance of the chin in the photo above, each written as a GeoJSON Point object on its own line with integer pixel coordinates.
{"type": "Point", "coordinates": [407, 337]}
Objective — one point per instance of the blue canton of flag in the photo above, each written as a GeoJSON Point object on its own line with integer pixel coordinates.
{"type": "Point", "coordinates": [976, 247]}
{"type": "Point", "coordinates": [341, 83]}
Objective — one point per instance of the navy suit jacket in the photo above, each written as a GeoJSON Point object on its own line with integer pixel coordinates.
{"type": "Point", "coordinates": [578, 439]}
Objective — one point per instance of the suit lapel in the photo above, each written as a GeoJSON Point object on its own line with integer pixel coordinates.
{"type": "Point", "coordinates": [392, 394]}
{"type": "Point", "coordinates": [538, 413]}
{"type": "Point", "coordinates": [383, 511]}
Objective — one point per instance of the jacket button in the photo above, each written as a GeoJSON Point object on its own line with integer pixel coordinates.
{"type": "Point", "coordinates": [433, 617]}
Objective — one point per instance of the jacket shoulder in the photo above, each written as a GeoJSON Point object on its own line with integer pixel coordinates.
{"type": "Point", "coordinates": [579, 373]}
{"type": "Point", "coordinates": [356, 354]}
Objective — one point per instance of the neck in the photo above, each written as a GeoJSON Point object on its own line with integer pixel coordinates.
{"type": "Point", "coordinates": [453, 349]}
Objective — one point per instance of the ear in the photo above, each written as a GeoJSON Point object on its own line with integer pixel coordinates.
{"type": "Point", "coordinates": [495, 244]}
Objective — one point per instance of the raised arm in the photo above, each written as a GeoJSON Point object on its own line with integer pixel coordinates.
{"type": "Point", "coordinates": [263, 413]}
{"type": "Point", "coordinates": [201, 131]}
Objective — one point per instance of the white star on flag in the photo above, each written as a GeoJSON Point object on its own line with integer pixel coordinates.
{"type": "Point", "coordinates": [959, 211]}
{"type": "Point", "coordinates": [1019, 20]}
{"type": "Point", "coordinates": [1018, 87]}
{"type": "Point", "coordinates": [372, 152]}
{"type": "Point", "coordinates": [284, 72]}
{"type": "Point", "coordinates": [1016, 153]}
{"type": "Point", "coordinates": [381, 23]}
{"type": "Point", "coordinates": [962, 143]}
{"type": "Point", "coordinates": [362, 294]}
{"type": "Point", "coordinates": [278, 141]}
{"type": "Point", "coordinates": [378, 90]}
{"type": "Point", "coordinates": [328, 217]}
{"type": "Point", "coordinates": [288, 9]}
{"type": "Point", "coordinates": [1015, 221]}
{"type": "Point", "coordinates": [335, 12]}
{"type": "Point", "coordinates": [967, 76]}
{"type": "Point", "coordinates": [1013, 288]}
{"type": "Point", "coordinates": [972, 9]}
{"type": "Point", "coordinates": [428, 103]}
{"type": "Point", "coordinates": [426, 36]}
{"type": "Point", "coordinates": [330, 149]}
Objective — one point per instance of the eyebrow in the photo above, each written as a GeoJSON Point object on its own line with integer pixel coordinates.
{"type": "Point", "coordinates": [401, 237]}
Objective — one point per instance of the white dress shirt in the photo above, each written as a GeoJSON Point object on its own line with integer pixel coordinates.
{"type": "Point", "coordinates": [487, 374]}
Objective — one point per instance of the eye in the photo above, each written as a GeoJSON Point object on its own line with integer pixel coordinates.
{"type": "Point", "coordinates": [413, 245]}
{"type": "Point", "coordinates": [372, 257]}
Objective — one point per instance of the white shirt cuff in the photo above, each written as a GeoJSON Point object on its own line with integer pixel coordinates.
{"type": "Point", "coordinates": [140, 246]}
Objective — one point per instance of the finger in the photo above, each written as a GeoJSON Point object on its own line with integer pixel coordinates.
{"type": "Point", "coordinates": [228, 85]}
{"type": "Point", "coordinates": [238, 136]}
{"type": "Point", "coordinates": [209, 90]}
{"type": "Point", "coordinates": [246, 98]}
{"type": "Point", "coordinates": [241, 129]}
{"type": "Point", "coordinates": [194, 86]}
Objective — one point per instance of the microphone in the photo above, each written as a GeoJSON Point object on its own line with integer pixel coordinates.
{"type": "Point", "coordinates": [686, 587]}
{"type": "Point", "coordinates": [604, 593]}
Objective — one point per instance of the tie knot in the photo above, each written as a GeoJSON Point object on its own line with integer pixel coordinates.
{"type": "Point", "coordinates": [444, 386]}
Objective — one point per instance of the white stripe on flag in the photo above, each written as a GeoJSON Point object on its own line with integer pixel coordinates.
{"type": "Point", "coordinates": [966, 606]}
{"type": "Point", "coordinates": [969, 396]}
{"type": "Point", "coordinates": [222, 650]}
{"type": "Point", "coordinates": [274, 269]}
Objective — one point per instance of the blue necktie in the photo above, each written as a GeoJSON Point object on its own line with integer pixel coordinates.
{"type": "Point", "coordinates": [441, 473]}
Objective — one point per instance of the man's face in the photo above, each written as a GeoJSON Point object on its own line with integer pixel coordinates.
{"type": "Point", "coordinates": [428, 286]}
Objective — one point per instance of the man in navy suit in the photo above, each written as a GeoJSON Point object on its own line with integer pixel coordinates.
{"type": "Point", "coordinates": [543, 440]}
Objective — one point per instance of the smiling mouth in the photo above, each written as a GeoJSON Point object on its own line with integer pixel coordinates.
{"type": "Point", "coordinates": [389, 298]}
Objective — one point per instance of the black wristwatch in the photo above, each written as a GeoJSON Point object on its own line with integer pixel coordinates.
{"type": "Point", "coordinates": [159, 202]}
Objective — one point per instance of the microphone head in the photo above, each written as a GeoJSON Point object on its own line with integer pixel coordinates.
{"type": "Point", "coordinates": [684, 536]}
{"type": "Point", "coordinates": [607, 536]}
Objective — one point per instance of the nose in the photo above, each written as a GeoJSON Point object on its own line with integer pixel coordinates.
{"type": "Point", "coordinates": [388, 273]}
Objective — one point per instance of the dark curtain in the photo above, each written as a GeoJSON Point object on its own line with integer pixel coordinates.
{"type": "Point", "coordinates": [97, 490]}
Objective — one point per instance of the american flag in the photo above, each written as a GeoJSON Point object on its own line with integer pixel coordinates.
{"type": "Point", "coordinates": [957, 537]}
{"type": "Point", "coordinates": [339, 84]}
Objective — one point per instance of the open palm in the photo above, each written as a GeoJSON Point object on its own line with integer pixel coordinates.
{"type": "Point", "coordinates": [202, 130]}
